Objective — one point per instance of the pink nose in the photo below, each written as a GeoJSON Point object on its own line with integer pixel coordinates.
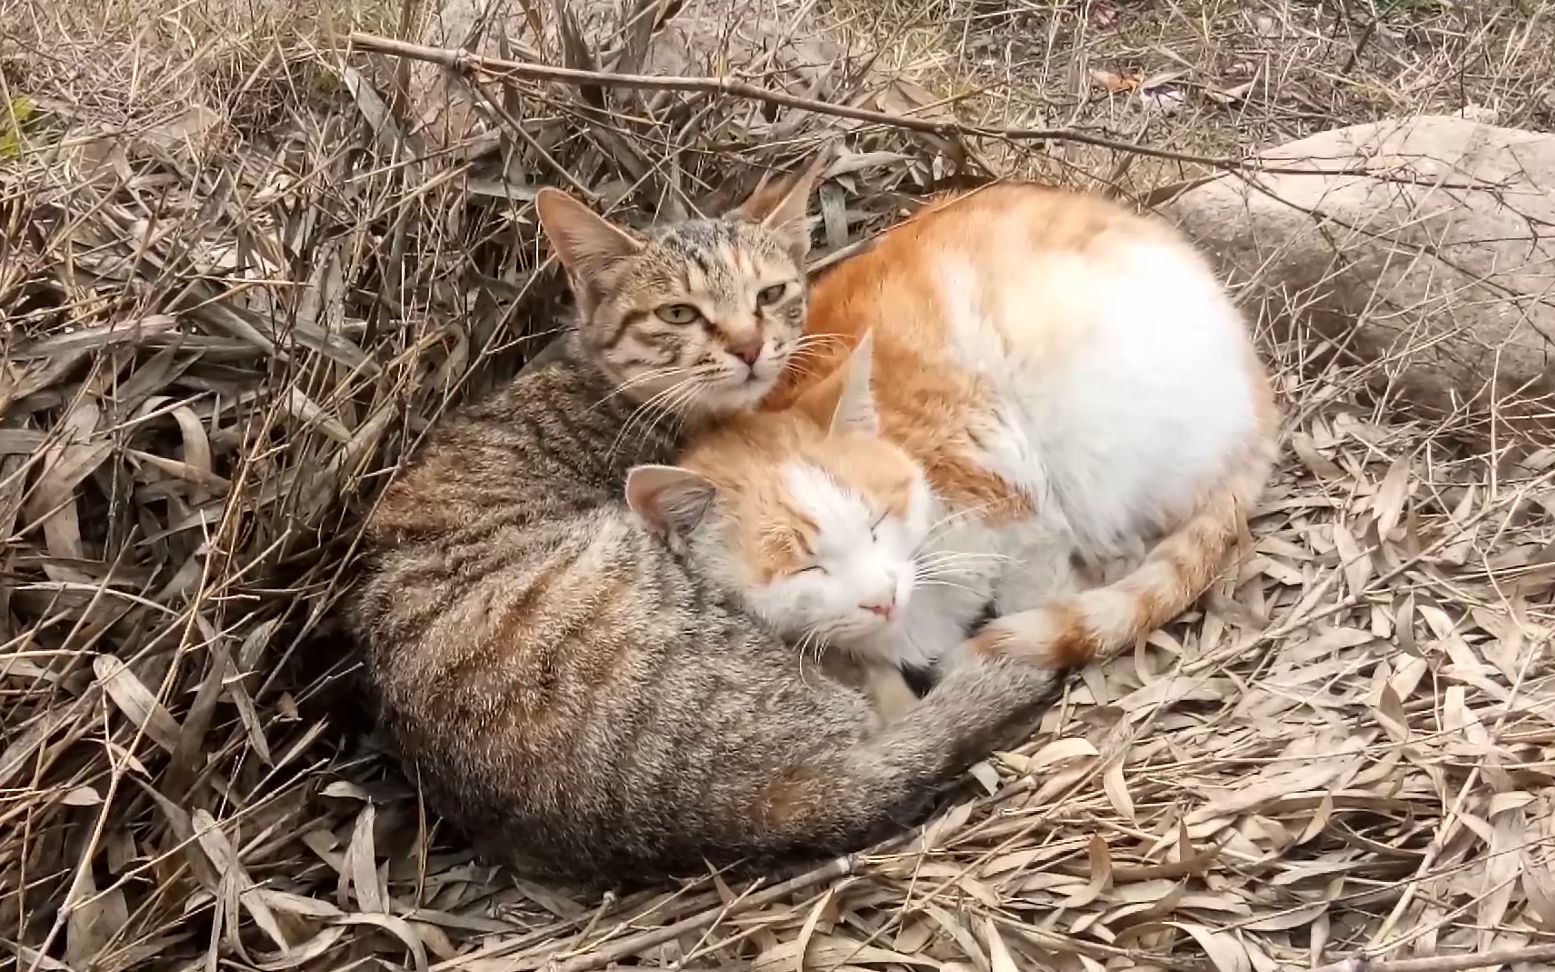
{"type": "Point", "coordinates": [886, 609]}
{"type": "Point", "coordinates": [747, 351]}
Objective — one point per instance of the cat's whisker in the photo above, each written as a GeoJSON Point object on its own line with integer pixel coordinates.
{"type": "Point", "coordinates": [944, 560]}
{"type": "Point", "coordinates": [944, 523]}
{"type": "Point", "coordinates": [817, 645]}
{"type": "Point", "coordinates": [809, 642]}
{"type": "Point", "coordinates": [652, 374]}
{"type": "Point", "coordinates": [800, 353]}
{"type": "Point", "coordinates": [932, 572]}
{"type": "Point", "coordinates": [655, 408]}
{"type": "Point", "coordinates": [802, 649]}
{"type": "Point", "coordinates": [685, 373]}
{"type": "Point", "coordinates": [623, 434]}
{"type": "Point", "coordinates": [823, 339]}
{"type": "Point", "coordinates": [959, 587]}
{"type": "Point", "coordinates": [671, 405]}
{"type": "Point", "coordinates": [801, 369]}
{"type": "Point", "coordinates": [936, 573]}
{"type": "Point", "coordinates": [807, 343]}
{"type": "Point", "coordinates": [968, 555]}
{"type": "Point", "coordinates": [655, 374]}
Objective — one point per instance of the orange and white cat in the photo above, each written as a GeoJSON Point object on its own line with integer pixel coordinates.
{"type": "Point", "coordinates": [1038, 379]}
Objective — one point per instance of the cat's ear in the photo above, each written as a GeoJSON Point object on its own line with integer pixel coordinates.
{"type": "Point", "coordinates": [855, 411]}
{"type": "Point", "coordinates": [846, 400]}
{"type": "Point", "coordinates": [671, 500]}
{"type": "Point", "coordinates": [783, 205]}
{"type": "Point", "coordinates": [587, 244]}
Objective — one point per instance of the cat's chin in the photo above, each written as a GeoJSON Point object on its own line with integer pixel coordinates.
{"type": "Point", "coordinates": [728, 398]}
{"type": "Point", "coordinates": [877, 645]}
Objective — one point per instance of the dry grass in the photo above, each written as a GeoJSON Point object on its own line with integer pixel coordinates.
{"type": "Point", "coordinates": [236, 292]}
{"type": "Point", "coordinates": [1212, 77]}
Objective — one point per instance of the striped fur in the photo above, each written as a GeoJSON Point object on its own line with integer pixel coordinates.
{"type": "Point", "coordinates": [574, 697]}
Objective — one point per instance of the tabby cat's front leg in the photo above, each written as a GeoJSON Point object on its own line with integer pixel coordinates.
{"type": "Point", "coordinates": [889, 694]}
{"type": "Point", "coordinates": [888, 690]}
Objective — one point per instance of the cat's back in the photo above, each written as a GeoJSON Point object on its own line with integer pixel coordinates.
{"type": "Point", "coordinates": [498, 535]}
{"type": "Point", "coordinates": [962, 276]}
{"type": "Point", "coordinates": [1030, 339]}
{"type": "Point", "coordinates": [562, 686]}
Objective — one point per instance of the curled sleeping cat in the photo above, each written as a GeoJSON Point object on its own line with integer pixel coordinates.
{"type": "Point", "coordinates": [557, 682]}
{"type": "Point", "coordinates": [1038, 378]}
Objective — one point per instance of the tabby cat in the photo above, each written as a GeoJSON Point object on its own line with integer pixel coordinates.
{"type": "Point", "coordinates": [561, 685]}
{"type": "Point", "coordinates": [1056, 380]}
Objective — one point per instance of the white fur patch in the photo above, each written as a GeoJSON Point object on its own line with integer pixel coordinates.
{"type": "Point", "coordinates": [1126, 424]}
{"type": "Point", "coordinates": [863, 560]}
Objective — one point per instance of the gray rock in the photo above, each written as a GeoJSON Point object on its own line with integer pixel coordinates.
{"type": "Point", "coordinates": [777, 43]}
{"type": "Point", "coordinates": [1434, 262]}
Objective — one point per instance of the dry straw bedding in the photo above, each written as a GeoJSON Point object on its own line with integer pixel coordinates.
{"type": "Point", "coordinates": [227, 324]}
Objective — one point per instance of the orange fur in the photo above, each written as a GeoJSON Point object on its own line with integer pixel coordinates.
{"type": "Point", "coordinates": [932, 411]}
{"type": "Point", "coordinates": [776, 538]}
{"type": "Point", "coordinates": [936, 411]}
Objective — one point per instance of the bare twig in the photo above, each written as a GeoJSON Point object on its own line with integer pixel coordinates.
{"type": "Point", "coordinates": [1446, 963]}
{"type": "Point", "coordinates": [636, 944]}
{"type": "Point", "coordinates": [497, 69]}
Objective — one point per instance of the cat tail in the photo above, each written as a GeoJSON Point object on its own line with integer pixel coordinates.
{"type": "Point", "coordinates": [840, 800]}
{"type": "Point", "coordinates": [1076, 629]}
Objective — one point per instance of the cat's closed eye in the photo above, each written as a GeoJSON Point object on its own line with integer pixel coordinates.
{"type": "Point", "coordinates": [770, 295]}
{"type": "Point", "coordinates": [677, 313]}
{"type": "Point", "coordinates": [874, 528]}
{"type": "Point", "coordinates": [812, 569]}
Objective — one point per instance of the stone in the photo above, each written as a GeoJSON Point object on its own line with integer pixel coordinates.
{"type": "Point", "coordinates": [1432, 262]}
{"type": "Point", "coordinates": [777, 43]}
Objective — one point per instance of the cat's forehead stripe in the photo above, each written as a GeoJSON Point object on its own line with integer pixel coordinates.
{"type": "Point", "coordinates": [741, 258]}
{"type": "Point", "coordinates": [695, 275]}
{"type": "Point", "coordinates": [818, 489]}
{"type": "Point", "coordinates": [882, 486]}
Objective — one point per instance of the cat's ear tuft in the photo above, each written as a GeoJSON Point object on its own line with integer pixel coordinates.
{"type": "Point", "coordinates": [669, 499]}
{"type": "Point", "coordinates": [845, 401]}
{"type": "Point", "coordinates": [587, 244]}
{"type": "Point", "coordinates": [783, 205]}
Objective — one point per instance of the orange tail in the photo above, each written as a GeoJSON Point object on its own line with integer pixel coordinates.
{"type": "Point", "coordinates": [1076, 629]}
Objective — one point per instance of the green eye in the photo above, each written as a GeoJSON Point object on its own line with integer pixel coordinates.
{"type": "Point", "coordinates": [678, 313]}
{"type": "Point", "coordinates": [772, 294]}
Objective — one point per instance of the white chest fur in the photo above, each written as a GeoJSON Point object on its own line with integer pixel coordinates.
{"type": "Point", "coordinates": [1121, 393]}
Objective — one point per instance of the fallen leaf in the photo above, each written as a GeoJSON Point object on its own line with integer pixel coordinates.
{"type": "Point", "coordinates": [1352, 560]}
{"type": "Point", "coordinates": [999, 959]}
{"type": "Point", "coordinates": [136, 701]}
{"type": "Point", "coordinates": [1117, 789]}
{"type": "Point", "coordinates": [398, 927]}
{"type": "Point", "coordinates": [1059, 751]}
{"type": "Point", "coordinates": [1101, 875]}
{"type": "Point", "coordinates": [802, 940]}
{"type": "Point", "coordinates": [1224, 951]}
{"type": "Point", "coordinates": [1229, 96]}
{"type": "Point", "coordinates": [1390, 713]}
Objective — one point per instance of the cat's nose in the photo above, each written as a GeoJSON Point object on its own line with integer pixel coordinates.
{"type": "Point", "coordinates": [885, 607]}
{"type": "Point", "coordinates": [747, 351]}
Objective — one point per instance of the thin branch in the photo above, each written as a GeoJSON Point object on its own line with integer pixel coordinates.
{"type": "Point", "coordinates": [497, 69]}
{"type": "Point", "coordinates": [642, 941]}
{"type": "Point", "coordinates": [1446, 963]}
